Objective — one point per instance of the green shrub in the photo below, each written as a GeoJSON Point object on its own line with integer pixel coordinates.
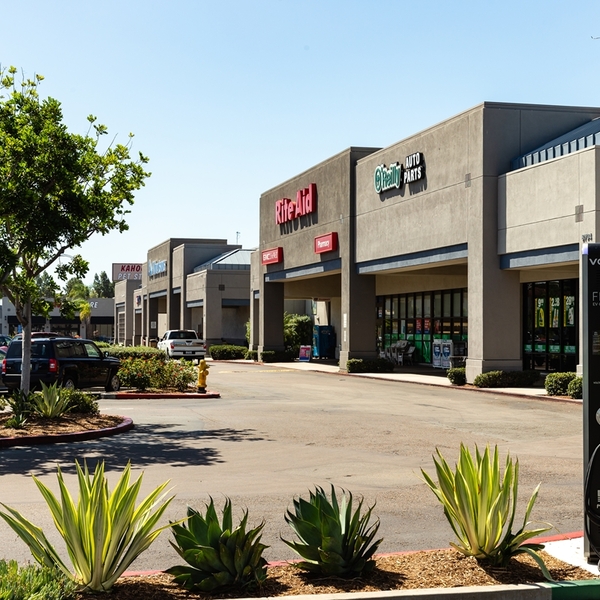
{"type": "Point", "coordinates": [251, 355]}
{"type": "Point", "coordinates": [227, 352]}
{"type": "Point", "coordinates": [491, 379]}
{"type": "Point", "coordinates": [334, 540]}
{"type": "Point", "coordinates": [21, 407]}
{"type": "Point", "coordinates": [480, 505]}
{"type": "Point", "coordinates": [495, 379]}
{"type": "Point", "coordinates": [272, 356]}
{"type": "Point", "coordinates": [369, 365]}
{"type": "Point", "coordinates": [297, 331]}
{"type": "Point", "coordinates": [34, 582]}
{"type": "Point", "coordinates": [103, 532]}
{"type": "Point", "coordinates": [217, 555]}
{"type": "Point", "coordinates": [82, 402]}
{"type": "Point", "coordinates": [145, 352]}
{"type": "Point", "coordinates": [103, 345]}
{"type": "Point", "coordinates": [520, 378]}
{"type": "Point", "coordinates": [557, 384]}
{"type": "Point", "coordinates": [178, 374]}
{"type": "Point", "coordinates": [457, 375]}
{"type": "Point", "coordinates": [575, 389]}
{"type": "Point", "coordinates": [51, 402]}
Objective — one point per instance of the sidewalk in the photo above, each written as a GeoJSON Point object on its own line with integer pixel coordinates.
{"type": "Point", "coordinates": [424, 375]}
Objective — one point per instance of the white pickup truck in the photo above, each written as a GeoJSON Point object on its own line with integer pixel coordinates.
{"type": "Point", "coordinates": [182, 343]}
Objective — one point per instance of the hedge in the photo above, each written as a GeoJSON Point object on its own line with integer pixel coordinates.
{"type": "Point", "coordinates": [457, 376]}
{"type": "Point", "coordinates": [369, 365]}
{"type": "Point", "coordinates": [136, 352]}
{"type": "Point", "coordinates": [575, 388]}
{"type": "Point", "coordinates": [271, 356]}
{"type": "Point", "coordinates": [557, 384]}
{"type": "Point", "coordinates": [496, 379]}
{"type": "Point", "coordinates": [227, 352]}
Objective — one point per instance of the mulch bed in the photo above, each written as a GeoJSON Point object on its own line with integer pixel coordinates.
{"type": "Point", "coordinates": [417, 570]}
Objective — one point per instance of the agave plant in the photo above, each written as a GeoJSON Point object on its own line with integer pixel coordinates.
{"type": "Point", "coordinates": [480, 506]}
{"type": "Point", "coordinates": [334, 540]}
{"type": "Point", "coordinates": [51, 402]}
{"type": "Point", "coordinates": [104, 533]}
{"type": "Point", "coordinates": [217, 555]}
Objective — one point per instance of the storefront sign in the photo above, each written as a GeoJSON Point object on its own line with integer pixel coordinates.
{"type": "Point", "coordinates": [157, 267]}
{"type": "Point", "coordinates": [397, 174]}
{"type": "Point", "coordinates": [272, 256]}
{"type": "Point", "coordinates": [326, 243]}
{"type": "Point", "coordinates": [306, 202]}
{"type": "Point", "coordinates": [123, 271]}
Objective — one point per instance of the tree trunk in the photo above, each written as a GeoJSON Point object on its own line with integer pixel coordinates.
{"type": "Point", "coordinates": [26, 347]}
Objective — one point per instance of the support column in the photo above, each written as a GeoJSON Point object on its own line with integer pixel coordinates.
{"type": "Point", "coordinates": [358, 332]}
{"type": "Point", "coordinates": [271, 317]}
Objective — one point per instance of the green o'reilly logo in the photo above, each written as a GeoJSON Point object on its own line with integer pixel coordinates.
{"type": "Point", "coordinates": [387, 178]}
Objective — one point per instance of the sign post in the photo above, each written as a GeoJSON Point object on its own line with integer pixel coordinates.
{"type": "Point", "coordinates": [590, 269]}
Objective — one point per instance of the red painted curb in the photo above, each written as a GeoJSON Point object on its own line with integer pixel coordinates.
{"type": "Point", "coordinates": [148, 395]}
{"type": "Point", "coordinates": [78, 436]}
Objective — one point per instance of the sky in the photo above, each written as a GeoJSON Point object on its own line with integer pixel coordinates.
{"type": "Point", "coordinates": [229, 98]}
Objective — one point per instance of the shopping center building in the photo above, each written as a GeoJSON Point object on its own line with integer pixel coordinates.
{"type": "Point", "coordinates": [186, 283]}
{"type": "Point", "coordinates": [466, 236]}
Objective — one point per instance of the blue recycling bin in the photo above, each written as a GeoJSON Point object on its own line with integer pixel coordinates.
{"type": "Point", "coordinates": [324, 341]}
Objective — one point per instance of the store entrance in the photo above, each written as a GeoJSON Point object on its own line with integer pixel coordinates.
{"type": "Point", "coordinates": [422, 319]}
{"type": "Point", "coordinates": [550, 325]}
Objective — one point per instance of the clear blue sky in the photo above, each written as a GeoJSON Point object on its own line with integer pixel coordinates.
{"type": "Point", "coordinates": [229, 98]}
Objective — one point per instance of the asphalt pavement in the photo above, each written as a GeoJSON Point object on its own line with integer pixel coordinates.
{"type": "Point", "coordinates": [280, 429]}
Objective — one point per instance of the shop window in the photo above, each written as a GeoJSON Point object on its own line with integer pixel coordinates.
{"type": "Point", "coordinates": [419, 306]}
{"type": "Point", "coordinates": [456, 308]}
{"type": "Point", "coordinates": [395, 307]}
{"type": "Point", "coordinates": [427, 305]}
{"type": "Point", "coordinates": [403, 307]}
{"type": "Point", "coordinates": [447, 305]}
{"type": "Point", "coordinates": [437, 305]}
{"type": "Point", "coordinates": [410, 306]}
{"type": "Point", "coordinates": [465, 304]}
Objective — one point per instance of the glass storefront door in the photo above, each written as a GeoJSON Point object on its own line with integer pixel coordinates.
{"type": "Point", "coordinates": [550, 325]}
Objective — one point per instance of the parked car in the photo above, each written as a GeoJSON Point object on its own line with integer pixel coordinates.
{"type": "Point", "coordinates": [39, 334]}
{"type": "Point", "coordinates": [73, 363]}
{"type": "Point", "coordinates": [182, 343]}
{"type": "Point", "coordinates": [5, 340]}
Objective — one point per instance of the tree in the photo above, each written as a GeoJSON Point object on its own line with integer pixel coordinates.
{"type": "Point", "coordinates": [56, 189]}
{"type": "Point", "coordinates": [103, 287]}
{"type": "Point", "coordinates": [46, 286]}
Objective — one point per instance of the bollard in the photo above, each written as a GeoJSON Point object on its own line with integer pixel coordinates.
{"type": "Point", "coordinates": [202, 374]}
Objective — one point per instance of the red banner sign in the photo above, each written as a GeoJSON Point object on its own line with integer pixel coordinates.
{"type": "Point", "coordinates": [326, 243]}
{"type": "Point", "coordinates": [288, 210]}
{"type": "Point", "coordinates": [272, 256]}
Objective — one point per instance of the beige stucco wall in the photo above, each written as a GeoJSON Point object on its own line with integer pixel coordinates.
{"type": "Point", "coordinates": [536, 205]}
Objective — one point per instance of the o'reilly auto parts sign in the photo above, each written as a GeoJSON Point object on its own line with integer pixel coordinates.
{"type": "Point", "coordinates": [398, 174]}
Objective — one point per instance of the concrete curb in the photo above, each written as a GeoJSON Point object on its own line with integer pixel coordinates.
{"type": "Point", "coordinates": [149, 395]}
{"type": "Point", "coordinates": [78, 436]}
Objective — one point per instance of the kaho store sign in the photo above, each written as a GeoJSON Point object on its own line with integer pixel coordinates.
{"type": "Point", "coordinates": [398, 174]}
{"type": "Point", "coordinates": [287, 210]}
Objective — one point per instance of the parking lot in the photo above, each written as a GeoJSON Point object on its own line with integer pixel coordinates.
{"type": "Point", "coordinates": [276, 432]}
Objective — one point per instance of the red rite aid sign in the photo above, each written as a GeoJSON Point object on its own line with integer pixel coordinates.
{"type": "Point", "coordinates": [306, 202]}
{"type": "Point", "coordinates": [326, 243]}
{"type": "Point", "coordinates": [272, 256]}
{"type": "Point", "coordinates": [123, 271]}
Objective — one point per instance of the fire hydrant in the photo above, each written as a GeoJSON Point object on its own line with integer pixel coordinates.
{"type": "Point", "coordinates": [202, 374]}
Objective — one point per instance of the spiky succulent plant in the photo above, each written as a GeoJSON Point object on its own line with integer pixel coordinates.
{"type": "Point", "coordinates": [217, 555]}
{"type": "Point", "coordinates": [334, 540]}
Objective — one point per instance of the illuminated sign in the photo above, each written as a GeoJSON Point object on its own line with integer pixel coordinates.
{"type": "Point", "coordinates": [123, 271]}
{"type": "Point", "coordinates": [397, 174]}
{"type": "Point", "coordinates": [272, 256]}
{"type": "Point", "coordinates": [326, 243]}
{"type": "Point", "coordinates": [306, 202]}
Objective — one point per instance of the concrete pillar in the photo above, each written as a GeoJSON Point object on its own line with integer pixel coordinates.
{"type": "Point", "coordinates": [357, 336]}
{"type": "Point", "coordinates": [271, 317]}
{"type": "Point", "coordinates": [494, 294]}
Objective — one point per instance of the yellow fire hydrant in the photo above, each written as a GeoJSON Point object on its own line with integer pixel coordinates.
{"type": "Point", "coordinates": [202, 374]}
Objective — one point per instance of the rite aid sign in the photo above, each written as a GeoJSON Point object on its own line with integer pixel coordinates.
{"type": "Point", "coordinates": [306, 202]}
{"type": "Point", "coordinates": [397, 174]}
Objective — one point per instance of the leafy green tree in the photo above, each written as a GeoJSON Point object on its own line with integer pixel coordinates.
{"type": "Point", "coordinates": [46, 285]}
{"type": "Point", "coordinates": [56, 189]}
{"type": "Point", "coordinates": [103, 287]}
{"type": "Point", "coordinates": [297, 331]}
